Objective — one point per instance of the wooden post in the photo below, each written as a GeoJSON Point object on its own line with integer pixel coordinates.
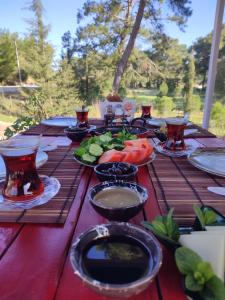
{"type": "Point", "coordinates": [213, 62]}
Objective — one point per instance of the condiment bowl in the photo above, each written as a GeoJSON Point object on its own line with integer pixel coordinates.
{"type": "Point", "coordinates": [116, 171]}
{"type": "Point", "coordinates": [116, 230]}
{"type": "Point", "coordinates": [76, 134]}
{"type": "Point", "coordinates": [114, 213]}
{"type": "Point", "coordinates": [160, 135]}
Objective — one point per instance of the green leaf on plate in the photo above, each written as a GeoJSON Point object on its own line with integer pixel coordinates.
{"type": "Point", "coordinates": [205, 269]}
{"type": "Point", "coordinates": [214, 289]}
{"type": "Point", "coordinates": [186, 260]}
{"type": "Point", "coordinates": [192, 284]}
{"type": "Point", "coordinates": [199, 214]}
{"type": "Point", "coordinates": [210, 216]}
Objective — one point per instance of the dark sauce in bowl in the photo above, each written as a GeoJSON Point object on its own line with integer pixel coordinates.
{"type": "Point", "coordinates": [116, 260]}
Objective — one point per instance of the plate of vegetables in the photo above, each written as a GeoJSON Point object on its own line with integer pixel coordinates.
{"type": "Point", "coordinates": [124, 147]}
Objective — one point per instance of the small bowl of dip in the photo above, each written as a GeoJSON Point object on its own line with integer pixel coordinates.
{"type": "Point", "coordinates": [116, 259]}
{"type": "Point", "coordinates": [118, 200]}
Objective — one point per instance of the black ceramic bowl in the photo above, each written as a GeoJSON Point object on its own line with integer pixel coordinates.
{"type": "Point", "coordinates": [120, 213]}
{"type": "Point", "coordinates": [76, 134]}
{"type": "Point", "coordinates": [160, 135]}
{"type": "Point", "coordinates": [114, 230]}
{"type": "Point", "coordinates": [137, 130]}
{"type": "Point", "coordinates": [116, 171]}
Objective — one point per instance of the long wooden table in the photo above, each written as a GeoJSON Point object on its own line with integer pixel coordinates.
{"type": "Point", "coordinates": [34, 258]}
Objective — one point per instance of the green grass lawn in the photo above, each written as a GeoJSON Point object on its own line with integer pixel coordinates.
{"type": "Point", "coordinates": [10, 109]}
{"type": "Point", "coordinates": [7, 119]}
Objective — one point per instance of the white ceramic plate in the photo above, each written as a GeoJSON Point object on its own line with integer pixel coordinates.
{"type": "Point", "coordinates": [211, 160]}
{"type": "Point", "coordinates": [145, 162]}
{"type": "Point", "coordinates": [161, 122]}
{"type": "Point", "coordinates": [60, 121]}
{"type": "Point", "coordinates": [41, 159]}
{"type": "Point", "coordinates": [158, 122]}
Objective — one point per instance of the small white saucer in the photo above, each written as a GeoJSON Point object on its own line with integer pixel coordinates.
{"type": "Point", "coordinates": [51, 188]}
{"type": "Point", "coordinates": [189, 149]}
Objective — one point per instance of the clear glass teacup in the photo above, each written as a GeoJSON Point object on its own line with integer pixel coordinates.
{"type": "Point", "coordinates": [82, 117]}
{"type": "Point", "coordinates": [175, 134]}
{"type": "Point", "coordinates": [22, 181]}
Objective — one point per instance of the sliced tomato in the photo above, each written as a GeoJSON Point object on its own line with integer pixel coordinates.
{"type": "Point", "coordinates": [141, 143]}
{"type": "Point", "coordinates": [130, 156]}
{"type": "Point", "coordinates": [111, 156]}
{"type": "Point", "coordinates": [137, 154]}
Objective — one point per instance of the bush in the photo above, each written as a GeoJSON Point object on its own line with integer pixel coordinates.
{"type": "Point", "coordinates": [218, 114]}
{"type": "Point", "coordinates": [163, 104]}
{"type": "Point", "coordinates": [196, 103]}
{"type": "Point", "coordinates": [163, 89]}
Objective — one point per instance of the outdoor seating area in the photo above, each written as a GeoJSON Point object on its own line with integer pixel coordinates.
{"type": "Point", "coordinates": [112, 150]}
{"type": "Point", "coordinates": [39, 232]}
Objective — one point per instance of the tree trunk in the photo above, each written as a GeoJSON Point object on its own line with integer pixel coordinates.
{"type": "Point", "coordinates": [126, 27]}
{"type": "Point", "coordinates": [130, 45]}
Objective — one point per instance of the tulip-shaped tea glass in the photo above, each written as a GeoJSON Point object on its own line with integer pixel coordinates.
{"type": "Point", "coordinates": [22, 181]}
{"type": "Point", "coordinates": [146, 111]}
{"type": "Point", "coordinates": [82, 117]}
{"type": "Point", "coordinates": [175, 134]}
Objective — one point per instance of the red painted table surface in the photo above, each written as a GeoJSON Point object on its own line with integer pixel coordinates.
{"type": "Point", "coordinates": [34, 259]}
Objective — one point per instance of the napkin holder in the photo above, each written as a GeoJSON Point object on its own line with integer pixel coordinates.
{"type": "Point", "coordinates": [117, 113]}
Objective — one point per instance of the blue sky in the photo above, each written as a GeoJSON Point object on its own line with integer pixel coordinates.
{"type": "Point", "coordinates": [61, 15]}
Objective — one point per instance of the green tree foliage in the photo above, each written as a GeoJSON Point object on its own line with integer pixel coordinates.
{"type": "Point", "coordinates": [168, 55]}
{"type": "Point", "coordinates": [113, 26]}
{"type": "Point", "coordinates": [202, 48]}
{"type": "Point", "coordinates": [163, 89]}
{"type": "Point", "coordinates": [220, 80]}
{"type": "Point", "coordinates": [66, 92]}
{"type": "Point", "coordinates": [39, 52]}
{"type": "Point", "coordinates": [7, 55]}
{"type": "Point", "coordinates": [218, 113]}
{"type": "Point", "coordinates": [189, 77]}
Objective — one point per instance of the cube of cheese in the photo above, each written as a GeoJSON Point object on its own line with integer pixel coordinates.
{"type": "Point", "coordinates": [211, 248]}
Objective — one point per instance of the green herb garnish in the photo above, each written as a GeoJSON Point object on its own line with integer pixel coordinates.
{"type": "Point", "coordinates": [199, 276]}
{"type": "Point", "coordinates": [164, 226]}
{"type": "Point", "coordinates": [205, 216]}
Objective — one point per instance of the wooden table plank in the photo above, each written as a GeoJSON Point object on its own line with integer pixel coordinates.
{"type": "Point", "coordinates": [70, 285]}
{"type": "Point", "coordinates": [35, 263]}
{"type": "Point", "coordinates": [32, 266]}
{"type": "Point", "coordinates": [8, 233]}
{"type": "Point", "coordinates": [170, 286]}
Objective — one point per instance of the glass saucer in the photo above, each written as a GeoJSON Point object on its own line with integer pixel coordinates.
{"type": "Point", "coordinates": [51, 188]}
{"type": "Point", "coordinates": [189, 149]}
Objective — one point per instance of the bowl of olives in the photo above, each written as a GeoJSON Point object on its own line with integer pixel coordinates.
{"type": "Point", "coordinates": [116, 171]}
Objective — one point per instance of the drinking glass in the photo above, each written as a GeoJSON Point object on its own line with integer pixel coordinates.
{"type": "Point", "coordinates": [175, 134]}
{"type": "Point", "coordinates": [22, 181]}
{"type": "Point", "coordinates": [146, 111]}
{"type": "Point", "coordinates": [82, 117]}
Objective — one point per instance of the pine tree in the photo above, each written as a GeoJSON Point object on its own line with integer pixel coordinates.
{"type": "Point", "coordinates": [189, 82]}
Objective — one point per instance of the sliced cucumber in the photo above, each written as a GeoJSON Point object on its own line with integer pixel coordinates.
{"type": "Point", "coordinates": [95, 150]}
{"type": "Point", "coordinates": [88, 158]}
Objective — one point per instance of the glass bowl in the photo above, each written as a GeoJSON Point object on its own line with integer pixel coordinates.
{"type": "Point", "coordinates": [76, 134]}
{"type": "Point", "coordinates": [115, 229]}
{"type": "Point", "coordinates": [127, 171]}
{"type": "Point", "coordinates": [124, 213]}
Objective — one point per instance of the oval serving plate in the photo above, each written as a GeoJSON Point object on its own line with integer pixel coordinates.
{"type": "Point", "coordinates": [60, 121]}
{"type": "Point", "coordinates": [210, 160]}
{"type": "Point", "coordinates": [41, 159]}
{"type": "Point", "coordinates": [147, 161]}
